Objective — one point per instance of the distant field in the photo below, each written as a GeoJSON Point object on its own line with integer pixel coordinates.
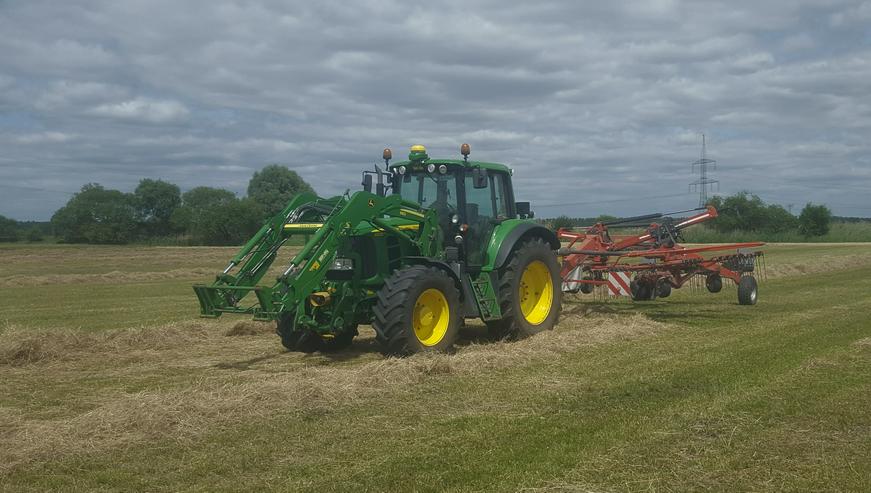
{"type": "Point", "coordinates": [110, 381]}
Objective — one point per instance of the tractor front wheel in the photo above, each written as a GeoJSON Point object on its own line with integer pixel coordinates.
{"type": "Point", "coordinates": [528, 292]}
{"type": "Point", "coordinates": [418, 309]}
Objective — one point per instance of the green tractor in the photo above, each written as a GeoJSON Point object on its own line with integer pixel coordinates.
{"type": "Point", "coordinates": [437, 241]}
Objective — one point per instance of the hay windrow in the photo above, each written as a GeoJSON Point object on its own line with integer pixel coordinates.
{"type": "Point", "coordinates": [113, 277]}
{"type": "Point", "coordinates": [249, 328]}
{"type": "Point", "coordinates": [225, 396]}
{"type": "Point", "coordinates": [20, 346]}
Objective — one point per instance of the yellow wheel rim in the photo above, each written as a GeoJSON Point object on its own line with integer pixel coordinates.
{"type": "Point", "coordinates": [431, 317]}
{"type": "Point", "coordinates": [536, 292]}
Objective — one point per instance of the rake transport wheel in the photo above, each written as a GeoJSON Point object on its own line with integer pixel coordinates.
{"type": "Point", "coordinates": [642, 290]}
{"type": "Point", "coordinates": [747, 290]}
{"type": "Point", "coordinates": [663, 289]}
{"type": "Point", "coordinates": [528, 292]}
{"type": "Point", "coordinates": [714, 283]}
{"type": "Point", "coordinates": [302, 341]}
{"type": "Point", "coordinates": [418, 309]}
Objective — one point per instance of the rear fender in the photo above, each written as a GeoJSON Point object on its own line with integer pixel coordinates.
{"type": "Point", "coordinates": [509, 235]}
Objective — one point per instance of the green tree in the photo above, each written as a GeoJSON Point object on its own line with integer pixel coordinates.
{"type": "Point", "coordinates": [229, 223]}
{"type": "Point", "coordinates": [274, 186]}
{"type": "Point", "coordinates": [34, 235]}
{"type": "Point", "coordinates": [156, 200]}
{"type": "Point", "coordinates": [562, 222]}
{"type": "Point", "coordinates": [8, 229]}
{"type": "Point", "coordinates": [814, 220]}
{"type": "Point", "coordinates": [96, 215]}
{"type": "Point", "coordinates": [778, 219]}
{"type": "Point", "coordinates": [741, 211]}
{"type": "Point", "coordinates": [214, 216]}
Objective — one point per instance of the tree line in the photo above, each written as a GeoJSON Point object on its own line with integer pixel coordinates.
{"type": "Point", "coordinates": [157, 211]}
{"type": "Point", "coordinates": [743, 212]}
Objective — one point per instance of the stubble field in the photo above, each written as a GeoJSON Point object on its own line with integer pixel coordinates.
{"type": "Point", "coordinates": [109, 381]}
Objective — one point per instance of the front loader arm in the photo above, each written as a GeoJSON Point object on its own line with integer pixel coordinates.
{"type": "Point", "coordinates": [308, 268]}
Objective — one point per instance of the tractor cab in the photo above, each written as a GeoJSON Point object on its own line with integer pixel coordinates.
{"type": "Point", "coordinates": [470, 197]}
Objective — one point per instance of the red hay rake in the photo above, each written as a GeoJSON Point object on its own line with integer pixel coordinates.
{"type": "Point", "coordinates": [649, 265]}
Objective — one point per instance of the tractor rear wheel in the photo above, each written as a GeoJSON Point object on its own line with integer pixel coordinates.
{"type": "Point", "coordinates": [528, 292]}
{"type": "Point", "coordinates": [747, 290]}
{"type": "Point", "coordinates": [418, 309]}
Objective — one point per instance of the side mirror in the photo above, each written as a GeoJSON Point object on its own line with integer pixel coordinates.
{"type": "Point", "coordinates": [367, 183]}
{"type": "Point", "coordinates": [479, 178]}
{"type": "Point", "coordinates": [523, 209]}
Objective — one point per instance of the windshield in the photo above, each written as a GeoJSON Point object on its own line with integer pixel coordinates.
{"type": "Point", "coordinates": [431, 190]}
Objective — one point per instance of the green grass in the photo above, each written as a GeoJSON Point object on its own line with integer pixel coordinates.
{"type": "Point", "coordinates": [690, 393]}
{"type": "Point", "coordinates": [840, 232]}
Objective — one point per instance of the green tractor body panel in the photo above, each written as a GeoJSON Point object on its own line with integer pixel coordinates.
{"type": "Point", "coordinates": [455, 215]}
{"type": "Point", "coordinates": [508, 234]}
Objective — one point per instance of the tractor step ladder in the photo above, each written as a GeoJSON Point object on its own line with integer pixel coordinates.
{"type": "Point", "coordinates": [486, 297]}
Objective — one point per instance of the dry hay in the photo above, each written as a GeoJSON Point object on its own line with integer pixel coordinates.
{"type": "Point", "coordinates": [249, 328]}
{"type": "Point", "coordinates": [276, 381]}
{"type": "Point", "coordinates": [821, 263]}
{"type": "Point", "coordinates": [19, 346]}
{"type": "Point", "coordinates": [865, 342]}
{"type": "Point", "coordinates": [114, 277]}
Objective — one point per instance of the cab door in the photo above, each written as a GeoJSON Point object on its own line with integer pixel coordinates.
{"type": "Point", "coordinates": [484, 208]}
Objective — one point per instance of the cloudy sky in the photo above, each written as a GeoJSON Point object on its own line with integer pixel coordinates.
{"type": "Point", "coordinates": [597, 107]}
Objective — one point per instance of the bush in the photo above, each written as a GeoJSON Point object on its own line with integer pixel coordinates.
{"type": "Point", "coordinates": [562, 222]}
{"type": "Point", "coordinates": [8, 229]}
{"type": "Point", "coordinates": [34, 235]}
{"type": "Point", "coordinates": [97, 215]}
{"type": "Point", "coordinates": [273, 187]}
{"type": "Point", "coordinates": [814, 220]}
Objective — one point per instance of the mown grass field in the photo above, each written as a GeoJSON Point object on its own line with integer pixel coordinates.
{"type": "Point", "coordinates": [109, 381]}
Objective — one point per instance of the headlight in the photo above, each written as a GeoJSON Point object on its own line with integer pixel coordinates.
{"type": "Point", "coordinates": [443, 169]}
{"type": "Point", "coordinates": [401, 170]}
{"type": "Point", "coordinates": [430, 168]}
{"type": "Point", "coordinates": [343, 264]}
{"type": "Point", "coordinates": [455, 219]}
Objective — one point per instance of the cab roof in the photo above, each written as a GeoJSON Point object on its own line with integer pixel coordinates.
{"type": "Point", "coordinates": [457, 162]}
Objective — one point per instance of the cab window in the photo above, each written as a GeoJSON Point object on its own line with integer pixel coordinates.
{"type": "Point", "coordinates": [431, 190]}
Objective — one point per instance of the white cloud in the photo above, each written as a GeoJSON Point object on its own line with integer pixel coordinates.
{"type": "Point", "coordinates": [144, 110]}
{"type": "Point", "coordinates": [44, 138]}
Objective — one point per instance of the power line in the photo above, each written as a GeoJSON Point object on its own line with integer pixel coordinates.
{"type": "Point", "coordinates": [592, 202]}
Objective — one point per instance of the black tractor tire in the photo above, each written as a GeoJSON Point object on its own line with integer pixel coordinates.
{"type": "Point", "coordinates": [714, 283]}
{"type": "Point", "coordinates": [301, 341]}
{"type": "Point", "coordinates": [663, 289]}
{"type": "Point", "coordinates": [748, 291]}
{"type": "Point", "coordinates": [406, 306]}
{"type": "Point", "coordinates": [531, 254]}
